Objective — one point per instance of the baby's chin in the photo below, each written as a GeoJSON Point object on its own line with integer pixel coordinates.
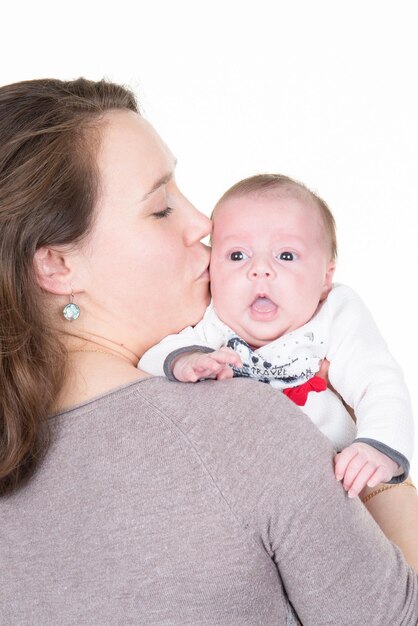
{"type": "Point", "coordinates": [255, 344]}
{"type": "Point", "coordinates": [258, 341]}
{"type": "Point", "coordinates": [255, 341]}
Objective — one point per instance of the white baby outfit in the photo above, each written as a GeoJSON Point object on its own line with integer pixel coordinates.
{"type": "Point", "coordinates": [362, 371]}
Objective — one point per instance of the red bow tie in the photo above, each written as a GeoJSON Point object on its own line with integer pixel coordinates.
{"type": "Point", "coordinates": [299, 394]}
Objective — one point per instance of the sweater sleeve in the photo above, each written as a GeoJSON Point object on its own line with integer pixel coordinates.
{"type": "Point", "coordinates": [335, 563]}
{"type": "Point", "coordinates": [369, 379]}
{"type": "Point", "coordinates": [275, 471]}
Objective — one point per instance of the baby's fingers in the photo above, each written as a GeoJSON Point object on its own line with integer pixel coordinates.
{"type": "Point", "coordinates": [353, 470]}
{"type": "Point", "coordinates": [342, 460]}
{"type": "Point", "coordinates": [381, 475]}
{"type": "Point", "coordinates": [186, 373]}
{"type": "Point", "coordinates": [226, 356]}
{"type": "Point", "coordinates": [225, 373]}
{"type": "Point", "coordinates": [360, 480]}
{"type": "Point", "coordinates": [207, 366]}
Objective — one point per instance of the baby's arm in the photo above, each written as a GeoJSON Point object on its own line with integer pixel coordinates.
{"type": "Point", "coordinates": [369, 379]}
{"type": "Point", "coordinates": [394, 507]}
{"type": "Point", "coordinates": [193, 366]}
{"type": "Point", "coordinates": [360, 464]}
{"type": "Point", "coordinates": [365, 374]}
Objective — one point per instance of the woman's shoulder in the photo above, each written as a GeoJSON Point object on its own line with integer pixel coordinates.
{"type": "Point", "coordinates": [240, 408]}
{"type": "Point", "coordinates": [243, 432]}
{"type": "Point", "coordinates": [239, 405]}
{"type": "Point", "coordinates": [247, 435]}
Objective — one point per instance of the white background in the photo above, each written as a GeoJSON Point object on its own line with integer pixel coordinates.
{"type": "Point", "coordinates": [323, 91]}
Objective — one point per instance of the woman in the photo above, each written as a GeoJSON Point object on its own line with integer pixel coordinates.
{"type": "Point", "coordinates": [129, 499]}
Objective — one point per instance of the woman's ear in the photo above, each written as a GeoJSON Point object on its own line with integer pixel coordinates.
{"type": "Point", "coordinates": [52, 271]}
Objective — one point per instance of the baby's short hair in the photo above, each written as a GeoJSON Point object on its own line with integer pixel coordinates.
{"type": "Point", "coordinates": [287, 187]}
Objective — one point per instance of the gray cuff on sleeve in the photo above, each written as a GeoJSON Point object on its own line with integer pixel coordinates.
{"type": "Point", "coordinates": [168, 363]}
{"type": "Point", "coordinates": [396, 456]}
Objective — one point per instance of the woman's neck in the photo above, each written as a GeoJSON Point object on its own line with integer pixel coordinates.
{"type": "Point", "coordinates": [96, 365]}
{"type": "Point", "coordinates": [93, 343]}
{"type": "Point", "coordinates": [91, 373]}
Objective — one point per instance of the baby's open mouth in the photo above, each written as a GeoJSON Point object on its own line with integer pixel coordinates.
{"type": "Point", "coordinates": [263, 304]}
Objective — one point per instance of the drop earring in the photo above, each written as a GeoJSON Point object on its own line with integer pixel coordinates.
{"type": "Point", "coordinates": [72, 311]}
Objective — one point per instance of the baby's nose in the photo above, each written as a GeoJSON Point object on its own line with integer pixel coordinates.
{"type": "Point", "coordinates": [261, 273]}
{"type": "Point", "coordinates": [261, 268]}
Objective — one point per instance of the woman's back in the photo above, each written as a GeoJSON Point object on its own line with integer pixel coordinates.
{"type": "Point", "coordinates": [163, 503]}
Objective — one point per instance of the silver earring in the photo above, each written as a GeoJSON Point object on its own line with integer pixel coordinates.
{"type": "Point", "coordinates": [72, 311]}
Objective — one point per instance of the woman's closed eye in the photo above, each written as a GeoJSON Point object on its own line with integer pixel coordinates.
{"type": "Point", "coordinates": [164, 213]}
{"type": "Point", "coordinates": [287, 256]}
{"type": "Point", "coordinates": [238, 255]}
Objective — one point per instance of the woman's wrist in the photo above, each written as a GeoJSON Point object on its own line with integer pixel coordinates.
{"type": "Point", "coordinates": [368, 494]}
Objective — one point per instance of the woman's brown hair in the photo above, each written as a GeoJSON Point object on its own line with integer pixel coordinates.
{"type": "Point", "coordinates": [48, 191]}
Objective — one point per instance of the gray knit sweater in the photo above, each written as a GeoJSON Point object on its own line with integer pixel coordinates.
{"type": "Point", "coordinates": [164, 503]}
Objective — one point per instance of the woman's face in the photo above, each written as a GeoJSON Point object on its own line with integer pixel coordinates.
{"type": "Point", "coordinates": [144, 266]}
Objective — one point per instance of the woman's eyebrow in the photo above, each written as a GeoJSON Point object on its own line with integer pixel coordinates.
{"type": "Point", "coordinates": [163, 180]}
{"type": "Point", "coordinates": [159, 183]}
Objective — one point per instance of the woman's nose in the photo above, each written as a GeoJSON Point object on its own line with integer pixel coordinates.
{"type": "Point", "coordinates": [198, 226]}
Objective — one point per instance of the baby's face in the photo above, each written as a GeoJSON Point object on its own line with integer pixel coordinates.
{"type": "Point", "coordinates": [270, 265]}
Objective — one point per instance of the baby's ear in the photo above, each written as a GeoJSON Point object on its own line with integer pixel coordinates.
{"type": "Point", "coordinates": [52, 271]}
{"type": "Point", "coordinates": [328, 279]}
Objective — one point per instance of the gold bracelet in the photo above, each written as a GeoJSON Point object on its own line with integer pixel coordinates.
{"type": "Point", "coordinates": [407, 483]}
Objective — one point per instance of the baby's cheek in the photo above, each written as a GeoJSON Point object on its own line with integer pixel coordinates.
{"type": "Point", "coordinates": [218, 281]}
{"type": "Point", "coordinates": [221, 300]}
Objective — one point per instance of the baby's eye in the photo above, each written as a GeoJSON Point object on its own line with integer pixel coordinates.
{"type": "Point", "coordinates": [287, 256]}
{"type": "Point", "coordinates": [238, 255]}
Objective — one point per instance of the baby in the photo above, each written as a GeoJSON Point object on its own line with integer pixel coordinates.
{"type": "Point", "coordinates": [276, 316]}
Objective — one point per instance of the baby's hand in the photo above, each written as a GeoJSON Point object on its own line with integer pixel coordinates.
{"type": "Point", "coordinates": [360, 465]}
{"type": "Point", "coordinates": [192, 366]}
